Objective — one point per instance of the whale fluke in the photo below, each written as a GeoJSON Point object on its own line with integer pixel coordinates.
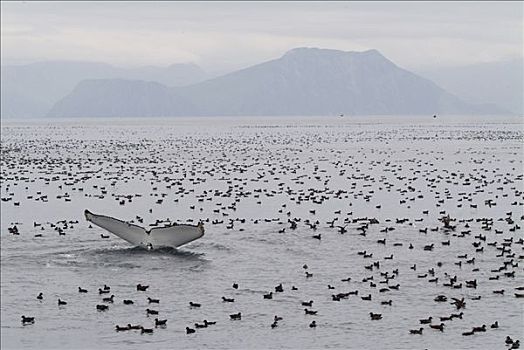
{"type": "Point", "coordinates": [173, 236]}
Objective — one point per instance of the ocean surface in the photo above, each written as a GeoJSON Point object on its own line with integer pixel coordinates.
{"type": "Point", "coordinates": [388, 181]}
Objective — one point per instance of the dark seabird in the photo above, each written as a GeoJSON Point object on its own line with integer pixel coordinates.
{"type": "Point", "coordinates": [160, 323]}
{"type": "Point", "coordinates": [141, 288]}
{"type": "Point", "coordinates": [416, 331]}
{"type": "Point", "coordinates": [146, 330]}
{"type": "Point", "coordinates": [27, 319]}
{"type": "Point", "coordinates": [237, 316]}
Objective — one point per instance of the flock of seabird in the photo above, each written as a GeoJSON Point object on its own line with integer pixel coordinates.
{"type": "Point", "coordinates": [302, 173]}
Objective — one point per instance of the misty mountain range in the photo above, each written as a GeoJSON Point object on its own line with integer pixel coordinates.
{"type": "Point", "coordinates": [304, 81]}
{"type": "Point", "coordinates": [32, 90]}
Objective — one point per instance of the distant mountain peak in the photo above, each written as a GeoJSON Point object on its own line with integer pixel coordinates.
{"type": "Point", "coordinates": [313, 55]}
{"type": "Point", "coordinates": [371, 52]}
{"type": "Point", "coordinates": [303, 51]}
{"type": "Point", "coordinates": [311, 52]}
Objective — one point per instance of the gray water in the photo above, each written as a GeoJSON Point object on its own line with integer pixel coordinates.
{"type": "Point", "coordinates": [254, 171]}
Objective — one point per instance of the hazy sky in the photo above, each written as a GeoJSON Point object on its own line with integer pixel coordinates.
{"type": "Point", "coordinates": [221, 36]}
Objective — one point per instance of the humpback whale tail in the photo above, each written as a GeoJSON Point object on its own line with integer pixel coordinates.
{"type": "Point", "coordinates": [173, 236]}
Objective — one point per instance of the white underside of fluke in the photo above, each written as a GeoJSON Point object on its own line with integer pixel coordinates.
{"type": "Point", "coordinates": [157, 237]}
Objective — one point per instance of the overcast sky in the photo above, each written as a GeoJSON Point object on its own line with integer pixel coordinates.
{"type": "Point", "coordinates": [221, 36]}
